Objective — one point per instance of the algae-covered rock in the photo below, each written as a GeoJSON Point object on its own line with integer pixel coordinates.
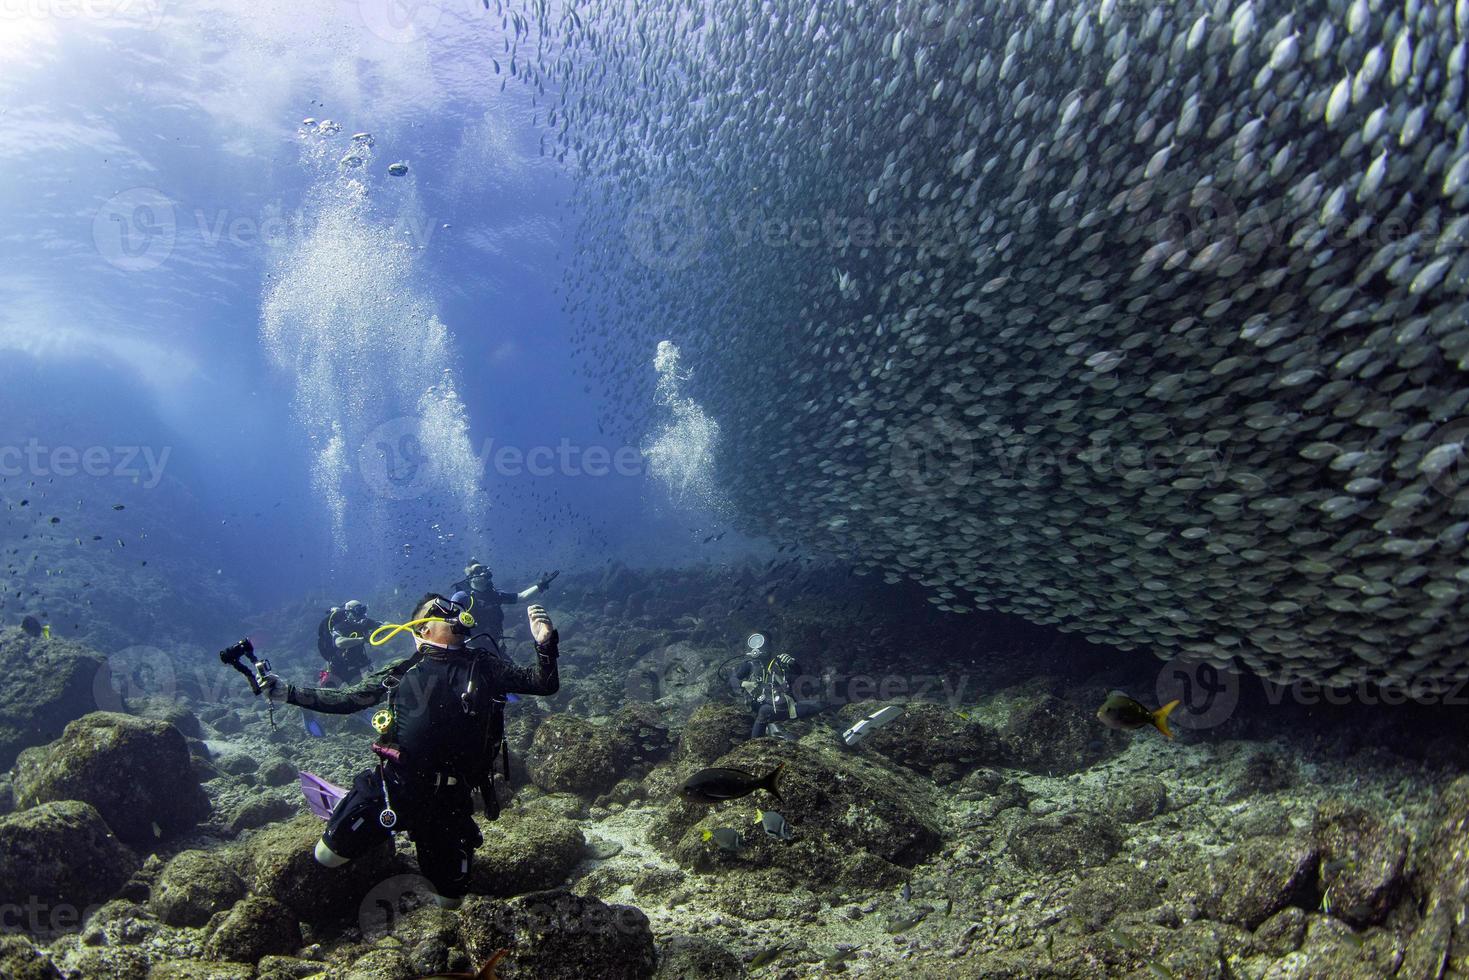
{"type": "Point", "coordinates": [558, 934]}
{"type": "Point", "coordinates": [279, 862]}
{"type": "Point", "coordinates": [260, 810]}
{"type": "Point", "coordinates": [193, 886]}
{"type": "Point", "coordinates": [136, 772]}
{"type": "Point", "coordinates": [48, 683]}
{"type": "Point", "coordinates": [1046, 734]}
{"type": "Point", "coordinates": [278, 772]}
{"type": "Point", "coordinates": [1255, 879]}
{"type": "Point", "coordinates": [381, 964]}
{"type": "Point", "coordinates": [711, 731]}
{"type": "Point", "coordinates": [1363, 863]}
{"type": "Point", "coordinates": [167, 710]}
{"type": "Point", "coordinates": [186, 969]}
{"type": "Point", "coordinates": [286, 968]}
{"type": "Point", "coordinates": [851, 820]}
{"type": "Point", "coordinates": [255, 927]}
{"type": "Point", "coordinates": [20, 960]}
{"type": "Point", "coordinates": [647, 738]}
{"type": "Point", "coordinates": [570, 755]}
{"type": "Point", "coordinates": [1109, 891]}
{"type": "Point", "coordinates": [525, 853]}
{"type": "Point", "coordinates": [1063, 842]}
{"type": "Point", "coordinates": [1137, 799]}
{"type": "Point", "coordinates": [696, 958]}
{"type": "Point", "coordinates": [930, 739]}
{"type": "Point", "coordinates": [60, 857]}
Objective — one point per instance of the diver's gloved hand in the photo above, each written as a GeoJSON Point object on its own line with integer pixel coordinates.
{"type": "Point", "coordinates": [785, 661]}
{"type": "Point", "coordinates": [542, 630]}
{"type": "Point", "coordinates": [546, 580]}
{"type": "Point", "coordinates": [273, 687]}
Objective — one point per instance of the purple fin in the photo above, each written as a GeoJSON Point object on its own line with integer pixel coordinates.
{"type": "Point", "coordinates": [321, 795]}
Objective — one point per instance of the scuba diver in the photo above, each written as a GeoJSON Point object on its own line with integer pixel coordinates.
{"type": "Point", "coordinates": [766, 681]}
{"type": "Point", "coordinates": [479, 583]}
{"type": "Point", "coordinates": [440, 737]}
{"type": "Point", "coordinates": [341, 639]}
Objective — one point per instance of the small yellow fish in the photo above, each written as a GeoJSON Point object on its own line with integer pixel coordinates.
{"type": "Point", "coordinates": [46, 631]}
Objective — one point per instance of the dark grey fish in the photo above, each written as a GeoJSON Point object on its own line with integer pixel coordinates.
{"type": "Point", "coordinates": [715, 785]}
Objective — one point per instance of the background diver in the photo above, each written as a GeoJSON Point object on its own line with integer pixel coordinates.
{"type": "Point", "coordinates": [767, 680]}
{"type": "Point", "coordinates": [479, 583]}
{"type": "Point", "coordinates": [440, 737]}
{"type": "Point", "coordinates": [341, 639]}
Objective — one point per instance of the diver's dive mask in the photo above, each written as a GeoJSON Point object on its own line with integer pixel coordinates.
{"type": "Point", "coordinates": [452, 611]}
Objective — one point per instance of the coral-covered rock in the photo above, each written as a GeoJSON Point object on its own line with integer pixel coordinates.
{"type": "Point", "coordinates": [525, 853]}
{"type": "Point", "coordinates": [1256, 879]}
{"type": "Point", "coordinates": [1363, 863]}
{"type": "Point", "coordinates": [20, 960]}
{"type": "Point", "coordinates": [851, 820]}
{"type": "Point", "coordinates": [205, 970]}
{"type": "Point", "coordinates": [1109, 891]}
{"type": "Point", "coordinates": [1048, 735]}
{"type": "Point", "coordinates": [60, 856]}
{"type": "Point", "coordinates": [279, 862]}
{"type": "Point", "coordinates": [710, 732]}
{"type": "Point", "coordinates": [48, 683]}
{"type": "Point", "coordinates": [930, 739]}
{"type": "Point", "coordinates": [136, 772]}
{"type": "Point", "coordinates": [254, 928]}
{"type": "Point", "coordinates": [193, 886]}
{"type": "Point", "coordinates": [696, 958]}
{"type": "Point", "coordinates": [558, 934]}
{"type": "Point", "coordinates": [1064, 842]}
{"type": "Point", "coordinates": [570, 755]}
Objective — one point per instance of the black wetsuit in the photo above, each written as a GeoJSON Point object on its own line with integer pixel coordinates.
{"type": "Point", "coordinates": [448, 707]}
{"type": "Point", "coordinates": [346, 664]}
{"type": "Point", "coordinates": [488, 607]}
{"type": "Point", "coordinates": [773, 700]}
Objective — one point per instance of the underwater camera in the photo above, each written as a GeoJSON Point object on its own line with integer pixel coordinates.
{"type": "Point", "coordinates": [245, 650]}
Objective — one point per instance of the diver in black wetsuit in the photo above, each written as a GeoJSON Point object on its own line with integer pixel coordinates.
{"type": "Point", "coordinates": [341, 639]}
{"type": "Point", "coordinates": [767, 681]}
{"type": "Point", "coordinates": [479, 583]}
{"type": "Point", "coordinates": [440, 737]}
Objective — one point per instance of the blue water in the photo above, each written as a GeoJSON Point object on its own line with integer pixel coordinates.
{"type": "Point", "coordinates": [168, 215]}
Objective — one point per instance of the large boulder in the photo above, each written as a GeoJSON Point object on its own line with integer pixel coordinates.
{"type": "Point", "coordinates": [558, 934]}
{"type": "Point", "coordinates": [48, 682]}
{"type": "Point", "coordinates": [525, 853]}
{"type": "Point", "coordinates": [711, 731]}
{"type": "Point", "coordinates": [1064, 842]}
{"type": "Point", "coordinates": [193, 887]}
{"type": "Point", "coordinates": [136, 772]}
{"type": "Point", "coordinates": [930, 739]}
{"type": "Point", "coordinates": [254, 928]}
{"type": "Point", "coordinates": [59, 858]}
{"type": "Point", "coordinates": [1254, 880]}
{"type": "Point", "coordinates": [852, 821]}
{"type": "Point", "coordinates": [1046, 734]}
{"type": "Point", "coordinates": [1363, 863]}
{"type": "Point", "coordinates": [20, 960]}
{"type": "Point", "coordinates": [279, 862]}
{"type": "Point", "coordinates": [570, 755]}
